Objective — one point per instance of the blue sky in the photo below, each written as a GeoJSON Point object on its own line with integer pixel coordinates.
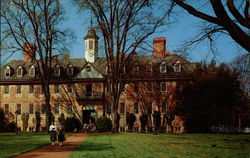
{"type": "Point", "coordinates": [183, 29]}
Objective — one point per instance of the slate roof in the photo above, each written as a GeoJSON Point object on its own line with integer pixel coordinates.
{"type": "Point", "coordinates": [100, 65]}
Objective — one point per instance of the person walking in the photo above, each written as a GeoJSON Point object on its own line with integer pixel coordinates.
{"type": "Point", "coordinates": [61, 136]}
{"type": "Point", "coordinates": [52, 132]}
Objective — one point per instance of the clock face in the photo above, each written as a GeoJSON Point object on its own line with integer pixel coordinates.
{"type": "Point", "coordinates": [91, 54]}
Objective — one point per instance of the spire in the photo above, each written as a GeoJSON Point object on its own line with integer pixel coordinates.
{"type": "Point", "coordinates": [91, 22]}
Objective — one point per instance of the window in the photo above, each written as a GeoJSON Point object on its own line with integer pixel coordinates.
{"type": "Point", "coordinates": [89, 89]}
{"type": "Point", "coordinates": [31, 109]}
{"type": "Point", "coordinates": [149, 86]}
{"type": "Point", "coordinates": [56, 88]}
{"type": "Point", "coordinates": [122, 108]}
{"type": "Point", "coordinates": [6, 89]}
{"type": "Point", "coordinates": [163, 67]}
{"type": "Point", "coordinates": [163, 86]}
{"type": "Point", "coordinates": [136, 108]}
{"type": "Point", "coordinates": [88, 68]}
{"type": "Point", "coordinates": [108, 108]}
{"type": "Point", "coordinates": [31, 89]}
{"type": "Point", "coordinates": [177, 66]}
{"type": "Point", "coordinates": [7, 71]}
{"type": "Point", "coordinates": [57, 70]}
{"type": "Point", "coordinates": [6, 109]}
{"type": "Point", "coordinates": [149, 68]}
{"type": "Point", "coordinates": [56, 108]}
{"type": "Point", "coordinates": [18, 89]}
{"type": "Point", "coordinates": [164, 107]}
{"type": "Point", "coordinates": [149, 108]}
{"type": "Point", "coordinates": [70, 70]}
{"type": "Point", "coordinates": [43, 108]}
{"type": "Point", "coordinates": [69, 87]}
{"type": "Point", "coordinates": [69, 109]}
{"type": "Point", "coordinates": [107, 70]}
{"type": "Point", "coordinates": [136, 68]}
{"type": "Point", "coordinates": [18, 108]}
{"type": "Point", "coordinates": [19, 71]}
{"type": "Point", "coordinates": [32, 71]}
{"type": "Point", "coordinates": [91, 44]}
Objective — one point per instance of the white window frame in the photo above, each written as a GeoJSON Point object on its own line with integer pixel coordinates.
{"type": "Point", "coordinates": [32, 71]}
{"type": "Point", "coordinates": [7, 72]}
{"type": "Point", "coordinates": [57, 70]}
{"type": "Point", "coordinates": [161, 85]}
{"type": "Point", "coordinates": [19, 71]}
{"type": "Point", "coordinates": [70, 70]}
{"type": "Point", "coordinates": [165, 67]}
{"type": "Point", "coordinates": [151, 85]}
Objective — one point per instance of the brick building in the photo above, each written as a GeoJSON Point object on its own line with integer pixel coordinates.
{"type": "Point", "coordinates": [79, 87]}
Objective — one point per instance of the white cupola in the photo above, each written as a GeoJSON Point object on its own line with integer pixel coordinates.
{"type": "Point", "coordinates": [91, 46]}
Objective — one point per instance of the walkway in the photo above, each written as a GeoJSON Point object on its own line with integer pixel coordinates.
{"type": "Point", "coordinates": [56, 151]}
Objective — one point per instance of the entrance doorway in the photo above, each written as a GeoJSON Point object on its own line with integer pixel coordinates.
{"type": "Point", "coordinates": [88, 116]}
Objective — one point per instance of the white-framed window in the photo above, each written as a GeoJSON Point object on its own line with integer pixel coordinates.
{"type": "Point", "coordinates": [31, 108]}
{"type": "Point", "coordinates": [32, 71]}
{"type": "Point", "coordinates": [31, 89]}
{"type": "Point", "coordinates": [6, 89]}
{"type": "Point", "coordinates": [7, 71]}
{"type": "Point", "coordinates": [122, 108]}
{"type": "Point", "coordinates": [164, 86]}
{"type": "Point", "coordinates": [18, 108]}
{"type": "Point", "coordinates": [163, 67]}
{"type": "Point", "coordinates": [19, 71]}
{"type": "Point", "coordinates": [109, 107]}
{"type": "Point", "coordinates": [57, 70]}
{"type": "Point", "coordinates": [70, 70]}
{"type": "Point", "coordinates": [123, 70]}
{"type": "Point", "coordinates": [150, 68]}
{"type": "Point", "coordinates": [107, 70]}
{"type": "Point", "coordinates": [18, 89]}
{"type": "Point", "coordinates": [136, 68]}
{"type": "Point", "coordinates": [177, 66]}
{"type": "Point", "coordinates": [6, 109]}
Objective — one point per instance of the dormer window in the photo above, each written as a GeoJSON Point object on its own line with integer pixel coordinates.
{"type": "Point", "coordinates": [163, 67]}
{"type": "Point", "coordinates": [7, 71]}
{"type": "Point", "coordinates": [149, 68]}
{"type": "Point", "coordinates": [70, 70]}
{"type": "Point", "coordinates": [136, 68]}
{"type": "Point", "coordinates": [57, 70]}
{"type": "Point", "coordinates": [177, 66]}
{"type": "Point", "coordinates": [32, 71]}
{"type": "Point", "coordinates": [19, 71]}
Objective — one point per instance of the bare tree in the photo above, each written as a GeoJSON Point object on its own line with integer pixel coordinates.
{"type": "Point", "coordinates": [233, 20]}
{"type": "Point", "coordinates": [124, 26]}
{"type": "Point", "coordinates": [34, 23]}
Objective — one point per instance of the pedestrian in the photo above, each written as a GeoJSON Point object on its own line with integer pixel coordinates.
{"type": "Point", "coordinates": [52, 132]}
{"type": "Point", "coordinates": [61, 136]}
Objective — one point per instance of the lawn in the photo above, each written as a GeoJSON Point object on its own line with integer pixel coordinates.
{"type": "Point", "coordinates": [12, 144]}
{"type": "Point", "coordinates": [136, 145]}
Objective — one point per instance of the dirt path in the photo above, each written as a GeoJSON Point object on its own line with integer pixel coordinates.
{"type": "Point", "coordinates": [56, 151]}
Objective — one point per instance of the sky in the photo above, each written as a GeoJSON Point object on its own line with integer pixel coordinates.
{"type": "Point", "coordinates": [184, 28]}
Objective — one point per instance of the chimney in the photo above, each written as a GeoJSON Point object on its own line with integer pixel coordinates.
{"type": "Point", "coordinates": [54, 56]}
{"type": "Point", "coordinates": [29, 52]}
{"type": "Point", "coordinates": [66, 56]}
{"type": "Point", "coordinates": [159, 47]}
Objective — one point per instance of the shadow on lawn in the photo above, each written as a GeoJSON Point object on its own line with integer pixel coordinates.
{"type": "Point", "coordinates": [95, 147]}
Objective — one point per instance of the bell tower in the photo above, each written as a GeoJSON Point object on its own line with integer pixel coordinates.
{"type": "Point", "coordinates": [91, 45]}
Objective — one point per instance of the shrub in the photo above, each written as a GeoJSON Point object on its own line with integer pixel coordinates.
{"type": "Point", "coordinates": [130, 119]}
{"type": "Point", "coordinates": [1, 120]}
{"type": "Point", "coordinates": [38, 121]}
{"type": "Point", "coordinates": [71, 124]}
{"type": "Point", "coordinates": [144, 121]}
{"type": "Point", "coordinates": [25, 119]}
{"type": "Point", "coordinates": [103, 124]}
{"type": "Point", "coordinates": [12, 126]}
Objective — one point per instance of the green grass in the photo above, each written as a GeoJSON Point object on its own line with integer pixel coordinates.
{"type": "Point", "coordinates": [136, 145]}
{"type": "Point", "coordinates": [12, 144]}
